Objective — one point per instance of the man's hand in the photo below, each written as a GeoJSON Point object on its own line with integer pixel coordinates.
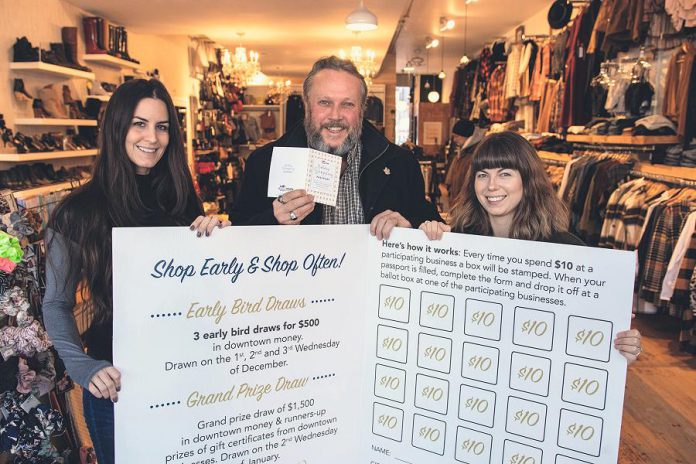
{"type": "Point", "coordinates": [434, 229]}
{"type": "Point", "coordinates": [292, 207]}
{"type": "Point", "coordinates": [382, 225]}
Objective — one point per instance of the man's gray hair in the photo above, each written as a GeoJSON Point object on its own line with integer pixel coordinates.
{"type": "Point", "coordinates": [337, 64]}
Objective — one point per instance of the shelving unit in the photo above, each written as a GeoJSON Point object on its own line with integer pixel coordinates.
{"type": "Point", "coordinates": [110, 61]}
{"type": "Point", "coordinates": [104, 98]}
{"type": "Point", "coordinates": [44, 156]}
{"type": "Point", "coordinates": [51, 70]}
{"type": "Point", "coordinates": [640, 167]}
{"type": "Point", "coordinates": [625, 139]}
{"type": "Point", "coordinates": [45, 189]}
{"type": "Point", "coordinates": [55, 122]}
{"type": "Point", "coordinates": [262, 107]}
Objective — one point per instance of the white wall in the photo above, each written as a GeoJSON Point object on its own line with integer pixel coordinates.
{"type": "Point", "coordinates": [41, 22]}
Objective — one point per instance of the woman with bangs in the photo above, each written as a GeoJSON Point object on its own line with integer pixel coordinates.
{"type": "Point", "coordinates": [507, 194]}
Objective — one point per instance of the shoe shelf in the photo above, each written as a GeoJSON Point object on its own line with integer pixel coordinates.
{"type": "Point", "coordinates": [46, 189]}
{"type": "Point", "coordinates": [104, 98]}
{"type": "Point", "coordinates": [49, 155]}
{"type": "Point", "coordinates": [39, 67]}
{"type": "Point", "coordinates": [261, 107]}
{"type": "Point", "coordinates": [55, 122]}
{"type": "Point", "coordinates": [111, 61]}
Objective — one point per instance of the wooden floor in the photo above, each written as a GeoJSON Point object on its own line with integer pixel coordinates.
{"type": "Point", "coordinates": [659, 419]}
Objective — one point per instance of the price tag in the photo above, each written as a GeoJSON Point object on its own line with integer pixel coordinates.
{"type": "Point", "coordinates": [392, 343]}
{"type": "Point", "coordinates": [390, 383]}
{"type": "Point", "coordinates": [534, 328]}
{"type": "Point", "coordinates": [429, 434]}
{"type": "Point", "coordinates": [435, 353]}
{"type": "Point", "coordinates": [394, 303]}
{"type": "Point", "coordinates": [526, 418]}
{"type": "Point", "coordinates": [585, 385]}
{"type": "Point", "coordinates": [476, 405]}
{"type": "Point", "coordinates": [517, 453]}
{"type": "Point", "coordinates": [473, 447]}
{"type": "Point", "coordinates": [432, 393]}
{"type": "Point", "coordinates": [480, 363]}
{"type": "Point", "coordinates": [530, 374]}
{"type": "Point", "coordinates": [589, 338]}
{"type": "Point", "coordinates": [580, 432]}
{"type": "Point", "coordinates": [483, 319]}
{"type": "Point", "coordinates": [437, 311]}
{"type": "Point", "coordinates": [387, 422]}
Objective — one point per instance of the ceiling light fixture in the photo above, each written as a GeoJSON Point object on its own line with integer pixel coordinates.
{"type": "Point", "coordinates": [446, 24]}
{"type": "Point", "coordinates": [364, 61]}
{"type": "Point", "coordinates": [240, 67]}
{"type": "Point", "coordinates": [442, 74]}
{"type": "Point", "coordinates": [409, 68]}
{"type": "Point", "coordinates": [361, 19]}
{"type": "Point", "coordinates": [431, 43]}
{"type": "Point", "coordinates": [465, 59]}
{"type": "Point", "coordinates": [433, 95]}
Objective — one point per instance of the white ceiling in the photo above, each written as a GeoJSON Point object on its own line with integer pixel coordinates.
{"type": "Point", "coordinates": [291, 34]}
{"type": "Point", "coordinates": [487, 19]}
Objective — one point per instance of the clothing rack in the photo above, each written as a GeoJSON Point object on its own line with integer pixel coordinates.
{"type": "Point", "coordinates": [675, 181]}
{"type": "Point", "coordinates": [614, 148]}
{"type": "Point", "coordinates": [553, 162]}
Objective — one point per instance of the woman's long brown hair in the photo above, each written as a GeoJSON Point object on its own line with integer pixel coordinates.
{"type": "Point", "coordinates": [110, 199]}
{"type": "Point", "coordinates": [540, 213]}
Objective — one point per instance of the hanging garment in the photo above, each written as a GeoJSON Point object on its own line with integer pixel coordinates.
{"type": "Point", "coordinates": [680, 88]}
{"type": "Point", "coordinates": [268, 125]}
{"type": "Point", "coordinates": [294, 112]}
{"type": "Point", "coordinates": [497, 103]}
{"type": "Point", "coordinates": [512, 75]}
{"type": "Point", "coordinates": [374, 111]}
{"type": "Point", "coordinates": [542, 68]}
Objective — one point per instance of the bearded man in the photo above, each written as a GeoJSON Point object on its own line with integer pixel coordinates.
{"type": "Point", "coordinates": [380, 183]}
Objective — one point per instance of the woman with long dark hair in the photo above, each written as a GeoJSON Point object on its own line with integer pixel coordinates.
{"type": "Point", "coordinates": [140, 178]}
{"type": "Point", "coordinates": [507, 194]}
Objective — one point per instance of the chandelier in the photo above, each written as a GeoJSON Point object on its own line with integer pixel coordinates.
{"type": "Point", "coordinates": [365, 62]}
{"type": "Point", "coordinates": [241, 68]}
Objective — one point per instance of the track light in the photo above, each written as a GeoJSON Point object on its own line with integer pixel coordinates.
{"type": "Point", "coordinates": [431, 43]}
{"type": "Point", "coordinates": [446, 24]}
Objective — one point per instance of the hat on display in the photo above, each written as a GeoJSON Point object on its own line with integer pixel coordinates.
{"type": "Point", "coordinates": [560, 13]}
{"type": "Point", "coordinates": [463, 127]}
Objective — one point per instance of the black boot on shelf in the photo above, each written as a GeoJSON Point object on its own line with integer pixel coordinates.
{"type": "Point", "coordinates": [20, 92]}
{"type": "Point", "coordinates": [58, 50]}
{"type": "Point", "coordinates": [23, 51]}
{"type": "Point", "coordinates": [50, 142]}
{"type": "Point", "coordinates": [39, 110]}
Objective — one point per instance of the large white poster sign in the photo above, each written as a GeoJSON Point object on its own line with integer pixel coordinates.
{"type": "Point", "coordinates": [307, 345]}
{"type": "Point", "coordinates": [494, 351]}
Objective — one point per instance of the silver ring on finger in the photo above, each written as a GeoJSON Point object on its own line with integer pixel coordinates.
{"type": "Point", "coordinates": [293, 216]}
{"type": "Point", "coordinates": [639, 351]}
{"type": "Point", "coordinates": [281, 200]}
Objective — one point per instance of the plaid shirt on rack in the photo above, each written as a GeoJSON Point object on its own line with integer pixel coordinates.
{"type": "Point", "coordinates": [659, 250]}
{"type": "Point", "coordinates": [497, 104]}
{"type": "Point", "coordinates": [681, 288]}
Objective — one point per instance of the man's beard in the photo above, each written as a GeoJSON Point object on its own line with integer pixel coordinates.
{"type": "Point", "coordinates": [314, 139]}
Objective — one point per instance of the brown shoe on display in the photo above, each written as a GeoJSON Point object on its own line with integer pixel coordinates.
{"type": "Point", "coordinates": [69, 35]}
{"type": "Point", "coordinates": [91, 43]}
{"type": "Point", "coordinates": [53, 102]}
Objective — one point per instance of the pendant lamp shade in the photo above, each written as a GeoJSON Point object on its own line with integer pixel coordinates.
{"type": "Point", "coordinates": [361, 19]}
